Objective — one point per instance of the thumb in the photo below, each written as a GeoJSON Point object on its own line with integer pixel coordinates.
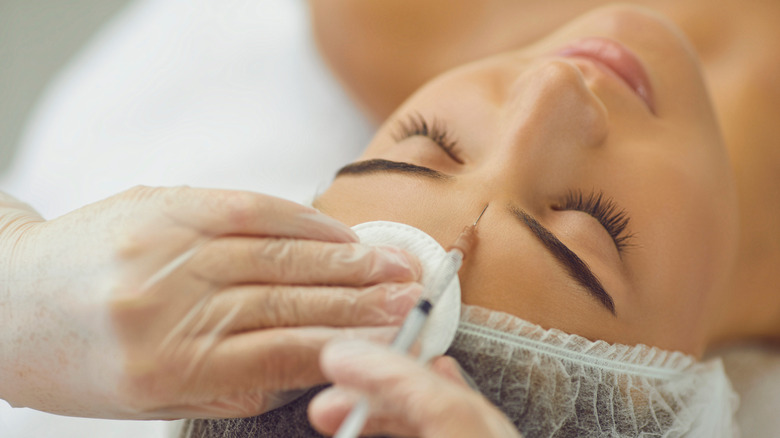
{"type": "Point", "coordinates": [405, 397]}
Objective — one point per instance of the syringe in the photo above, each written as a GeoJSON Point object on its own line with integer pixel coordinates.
{"type": "Point", "coordinates": [418, 316]}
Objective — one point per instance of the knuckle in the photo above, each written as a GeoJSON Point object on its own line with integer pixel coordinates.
{"type": "Point", "coordinates": [378, 265]}
{"type": "Point", "coordinates": [283, 258]}
{"type": "Point", "coordinates": [137, 190]}
{"type": "Point", "coordinates": [140, 192]}
{"type": "Point", "coordinates": [145, 388]}
{"type": "Point", "coordinates": [208, 261]}
{"type": "Point", "coordinates": [238, 207]}
{"type": "Point", "coordinates": [327, 258]}
{"type": "Point", "coordinates": [275, 314]}
{"type": "Point", "coordinates": [370, 304]}
{"type": "Point", "coordinates": [359, 260]}
{"type": "Point", "coordinates": [347, 263]}
{"type": "Point", "coordinates": [131, 244]}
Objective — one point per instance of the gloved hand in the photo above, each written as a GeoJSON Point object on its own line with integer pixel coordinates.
{"type": "Point", "coordinates": [182, 302]}
{"type": "Point", "coordinates": [406, 398]}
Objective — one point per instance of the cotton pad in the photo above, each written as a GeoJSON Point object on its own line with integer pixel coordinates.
{"type": "Point", "coordinates": [442, 324]}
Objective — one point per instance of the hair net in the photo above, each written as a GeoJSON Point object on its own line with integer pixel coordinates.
{"type": "Point", "coordinates": [553, 384]}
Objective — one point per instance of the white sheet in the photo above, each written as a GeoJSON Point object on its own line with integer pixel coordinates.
{"type": "Point", "coordinates": [755, 373]}
{"type": "Point", "coordinates": [218, 93]}
{"type": "Point", "coordinates": [215, 93]}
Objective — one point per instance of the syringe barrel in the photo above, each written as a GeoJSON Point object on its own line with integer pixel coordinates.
{"type": "Point", "coordinates": [416, 318]}
{"type": "Point", "coordinates": [465, 240]}
{"type": "Point", "coordinates": [412, 326]}
{"type": "Point", "coordinates": [445, 274]}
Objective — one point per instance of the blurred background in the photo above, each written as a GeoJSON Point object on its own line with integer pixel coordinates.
{"type": "Point", "coordinates": [37, 38]}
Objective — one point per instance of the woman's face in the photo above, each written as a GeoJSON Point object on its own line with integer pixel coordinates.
{"type": "Point", "coordinates": [612, 209]}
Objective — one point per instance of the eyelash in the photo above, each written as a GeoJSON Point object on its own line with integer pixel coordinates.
{"type": "Point", "coordinates": [605, 210]}
{"type": "Point", "coordinates": [614, 219]}
{"type": "Point", "coordinates": [416, 125]}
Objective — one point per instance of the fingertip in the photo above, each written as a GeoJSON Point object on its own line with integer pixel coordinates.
{"type": "Point", "coordinates": [450, 369]}
{"type": "Point", "coordinates": [446, 367]}
{"type": "Point", "coordinates": [330, 407]}
{"type": "Point", "coordinates": [400, 300]}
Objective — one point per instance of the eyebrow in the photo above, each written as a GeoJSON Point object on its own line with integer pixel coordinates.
{"type": "Point", "coordinates": [575, 266]}
{"type": "Point", "coordinates": [577, 269]}
{"type": "Point", "coordinates": [379, 166]}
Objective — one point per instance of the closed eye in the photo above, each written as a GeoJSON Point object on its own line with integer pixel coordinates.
{"type": "Point", "coordinates": [417, 125]}
{"type": "Point", "coordinates": [613, 218]}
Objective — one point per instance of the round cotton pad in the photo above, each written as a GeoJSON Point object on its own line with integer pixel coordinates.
{"type": "Point", "coordinates": [440, 329]}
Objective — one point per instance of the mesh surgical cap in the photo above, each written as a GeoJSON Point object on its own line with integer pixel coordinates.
{"type": "Point", "coordinates": [553, 384]}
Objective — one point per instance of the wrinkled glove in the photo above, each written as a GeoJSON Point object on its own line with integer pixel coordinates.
{"type": "Point", "coordinates": [182, 302]}
{"type": "Point", "coordinates": [405, 397]}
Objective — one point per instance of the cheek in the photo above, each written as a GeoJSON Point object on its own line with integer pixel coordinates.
{"type": "Point", "coordinates": [685, 226]}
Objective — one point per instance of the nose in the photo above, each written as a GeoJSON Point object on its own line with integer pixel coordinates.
{"type": "Point", "coordinates": [550, 120]}
{"type": "Point", "coordinates": [552, 97]}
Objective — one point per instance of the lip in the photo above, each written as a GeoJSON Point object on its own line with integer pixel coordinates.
{"type": "Point", "coordinates": [617, 58]}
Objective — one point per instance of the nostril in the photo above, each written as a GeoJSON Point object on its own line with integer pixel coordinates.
{"type": "Point", "coordinates": [570, 105]}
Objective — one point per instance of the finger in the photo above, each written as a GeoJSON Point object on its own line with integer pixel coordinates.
{"type": "Point", "coordinates": [343, 363]}
{"type": "Point", "coordinates": [449, 368]}
{"type": "Point", "coordinates": [231, 260]}
{"type": "Point", "coordinates": [405, 397]}
{"type": "Point", "coordinates": [269, 306]}
{"type": "Point", "coordinates": [329, 409]}
{"type": "Point", "coordinates": [220, 212]}
{"type": "Point", "coordinates": [387, 374]}
{"type": "Point", "coordinates": [263, 362]}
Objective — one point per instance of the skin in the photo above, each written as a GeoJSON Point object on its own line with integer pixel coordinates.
{"type": "Point", "coordinates": [667, 168]}
{"type": "Point", "coordinates": [402, 44]}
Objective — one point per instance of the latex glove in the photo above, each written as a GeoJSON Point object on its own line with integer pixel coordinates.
{"type": "Point", "coordinates": [182, 302]}
{"type": "Point", "coordinates": [406, 398]}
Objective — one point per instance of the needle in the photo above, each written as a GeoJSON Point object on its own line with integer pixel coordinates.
{"type": "Point", "coordinates": [417, 317]}
{"type": "Point", "coordinates": [480, 215]}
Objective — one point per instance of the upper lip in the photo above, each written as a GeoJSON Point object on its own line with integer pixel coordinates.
{"type": "Point", "coordinates": [617, 58]}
